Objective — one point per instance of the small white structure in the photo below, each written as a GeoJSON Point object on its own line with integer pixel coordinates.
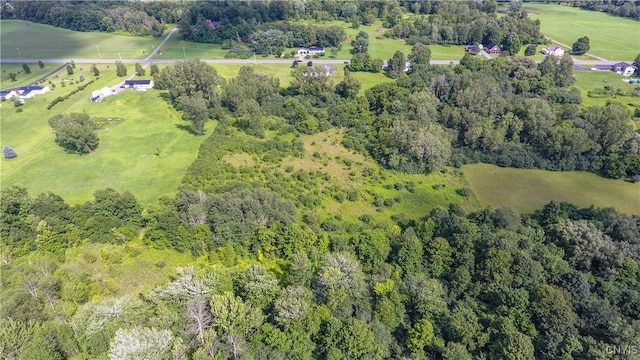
{"type": "Point", "coordinates": [139, 85]}
{"type": "Point", "coordinates": [555, 51]}
{"type": "Point", "coordinates": [314, 50]}
{"type": "Point", "coordinates": [8, 94]}
{"type": "Point", "coordinates": [100, 95]}
{"type": "Point", "coordinates": [27, 92]}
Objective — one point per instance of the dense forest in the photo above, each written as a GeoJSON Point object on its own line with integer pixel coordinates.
{"type": "Point", "coordinates": [137, 18]}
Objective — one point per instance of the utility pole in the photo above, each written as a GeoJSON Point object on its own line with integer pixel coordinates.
{"type": "Point", "coordinates": [18, 49]}
{"type": "Point", "coordinates": [255, 62]}
{"type": "Point", "coordinates": [120, 56]}
{"type": "Point", "coordinates": [97, 48]}
{"type": "Point", "coordinates": [184, 53]}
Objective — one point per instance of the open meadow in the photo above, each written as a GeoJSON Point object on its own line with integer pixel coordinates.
{"type": "Point", "coordinates": [611, 37]}
{"type": "Point", "coordinates": [528, 190]}
{"type": "Point", "coordinates": [23, 39]}
{"type": "Point", "coordinates": [146, 153]}
{"type": "Point", "coordinates": [337, 181]}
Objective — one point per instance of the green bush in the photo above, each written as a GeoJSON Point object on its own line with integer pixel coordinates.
{"type": "Point", "coordinates": [464, 191]}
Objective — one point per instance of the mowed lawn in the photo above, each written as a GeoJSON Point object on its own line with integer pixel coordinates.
{"type": "Point", "coordinates": [126, 158]}
{"type": "Point", "coordinates": [528, 190]}
{"type": "Point", "coordinates": [611, 37]}
{"type": "Point", "coordinates": [23, 78]}
{"type": "Point", "coordinates": [23, 39]}
{"type": "Point", "coordinates": [591, 80]}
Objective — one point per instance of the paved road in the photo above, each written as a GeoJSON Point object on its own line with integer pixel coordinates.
{"type": "Point", "coordinates": [243, 61]}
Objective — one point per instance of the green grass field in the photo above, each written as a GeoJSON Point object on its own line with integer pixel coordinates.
{"type": "Point", "coordinates": [124, 160]}
{"type": "Point", "coordinates": [21, 77]}
{"type": "Point", "coordinates": [590, 80]}
{"type": "Point", "coordinates": [177, 48]}
{"type": "Point", "coordinates": [528, 190]}
{"type": "Point", "coordinates": [611, 37]}
{"type": "Point", "coordinates": [23, 39]}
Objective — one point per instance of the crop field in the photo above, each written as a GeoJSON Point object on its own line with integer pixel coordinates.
{"type": "Point", "coordinates": [611, 37]}
{"type": "Point", "coordinates": [527, 190]}
{"type": "Point", "coordinates": [23, 78]}
{"type": "Point", "coordinates": [23, 39]}
{"type": "Point", "coordinates": [146, 154]}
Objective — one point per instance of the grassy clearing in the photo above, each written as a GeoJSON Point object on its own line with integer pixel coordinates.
{"type": "Point", "coordinates": [527, 190]}
{"type": "Point", "coordinates": [125, 159]}
{"type": "Point", "coordinates": [176, 48]}
{"type": "Point", "coordinates": [132, 268]}
{"type": "Point", "coordinates": [350, 171]}
{"type": "Point", "coordinates": [369, 80]}
{"type": "Point", "coordinates": [590, 80]}
{"type": "Point", "coordinates": [21, 77]}
{"type": "Point", "coordinates": [23, 39]}
{"type": "Point", "coordinates": [611, 37]}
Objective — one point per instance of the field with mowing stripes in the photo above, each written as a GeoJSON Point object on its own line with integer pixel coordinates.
{"type": "Point", "coordinates": [611, 37]}
{"type": "Point", "coordinates": [23, 39]}
{"type": "Point", "coordinates": [527, 190]}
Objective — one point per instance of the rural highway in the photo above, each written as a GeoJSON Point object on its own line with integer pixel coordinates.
{"type": "Point", "coordinates": [240, 61]}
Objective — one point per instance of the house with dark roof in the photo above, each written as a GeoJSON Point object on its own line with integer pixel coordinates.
{"type": "Point", "coordinates": [474, 48]}
{"type": "Point", "coordinates": [26, 92]}
{"type": "Point", "coordinates": [622, 68]}
{"type": "Point", "coordinates": [8, 94]}
{"type": "Point", "coordinates": [493, 49]}
{"type": "Point", "coordinates": [139, 85]}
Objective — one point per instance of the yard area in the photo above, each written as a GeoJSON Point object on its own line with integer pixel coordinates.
{"type": "Point", "coordinates": [23, 78]}
{"type": "Point", "coordinates": [152, 139]}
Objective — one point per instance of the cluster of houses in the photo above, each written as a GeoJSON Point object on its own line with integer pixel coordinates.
{"type": "Point", "coordinates": [24, 92]}
{"type": "Point", "coordinates": [494, 49]}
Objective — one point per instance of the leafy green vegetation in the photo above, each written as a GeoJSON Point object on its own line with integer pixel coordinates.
{"type": "Point", "coordinates": [228, 214]}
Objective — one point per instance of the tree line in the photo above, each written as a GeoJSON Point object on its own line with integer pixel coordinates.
{"type": "Point", "coordinates": [141, 19]}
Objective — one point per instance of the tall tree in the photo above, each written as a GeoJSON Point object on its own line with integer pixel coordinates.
{"type": "Point", "coordinates": [195, 110]}
{"type": "Point", "coordinates": [188, 77]}
{"type": "Point", "coordinates": [397, 64]}
{"type": "Point", "coordinates": [581, 46]}
{"type": "Point", "coordinates": [121, 69]}
{"type": "Point", "coordinates": [139, 69]}
{"type": "Point", "coordinates": [76, 132]}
